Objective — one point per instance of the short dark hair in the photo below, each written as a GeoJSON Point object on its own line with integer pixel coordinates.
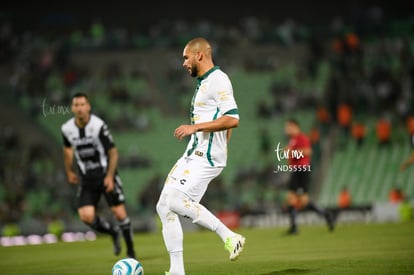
{"type": "Point", "coordinates": [293, 121]}
{"type": "Point", "coordinates": [80, 94]}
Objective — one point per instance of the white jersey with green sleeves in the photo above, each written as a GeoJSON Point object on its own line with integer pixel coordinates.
{"type": "Point", "coordinates": [212, 99]}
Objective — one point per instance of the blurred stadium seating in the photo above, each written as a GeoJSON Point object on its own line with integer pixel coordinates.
{"type": "Point", "coordinates": [369, 172]}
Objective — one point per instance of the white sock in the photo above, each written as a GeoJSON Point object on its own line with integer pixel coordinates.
{"type": "Point", "coordinates": [224, 232]}
{"type": "Point", "coordinates": [207, 219]}
{"type": "Point", "coordinates": [183, 205]}
{"type": "Point", "coordinates": [177, 263]}
{"type": "Point", "coordinates": [172, 233]}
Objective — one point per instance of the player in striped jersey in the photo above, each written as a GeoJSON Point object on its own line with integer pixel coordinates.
{"type": "Point", "coordinates": [213, 114]}
{"type": "Point", "coordinates": [87, 138]}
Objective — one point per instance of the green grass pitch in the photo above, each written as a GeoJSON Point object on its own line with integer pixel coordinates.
{"type": "Point", "coordinates": [350, 249]}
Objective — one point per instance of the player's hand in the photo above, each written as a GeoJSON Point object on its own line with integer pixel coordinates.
{"type": "Point", "coordinates": [72, 177]}
{"type": "Point", "coordinates": [184, 130]}
{"type": "Point", "coordinates": [109, 183]}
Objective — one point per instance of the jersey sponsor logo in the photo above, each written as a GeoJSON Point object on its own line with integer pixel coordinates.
{"type": "Point", "coordinates": [198, 153]}
{"type": "Point", "coordinates": [224, 95]}
{"type": "Point", "coordinates": [91, 165]}
{"type": "Point", "coordinates": [86, 152]}
{"type": "Point", "coordinates": [195, 118]}
{"type": "Point", "coordinates": [203, 88]}
{"type": "Point", "coordinates": [82, 141]}
{"type": "Point", "coordinates": [90, 130]}
{"type": "Point", "coordinates": [200, 104]}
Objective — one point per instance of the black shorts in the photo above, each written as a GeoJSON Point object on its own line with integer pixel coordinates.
{"type": "Point", "coordinates": [299, 182]}
{"type": "Point", "coordinates": [90, 191]}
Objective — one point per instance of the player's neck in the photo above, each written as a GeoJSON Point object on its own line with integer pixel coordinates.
{"type": "Point", "coordinates": [82, 121]}
{"type": "Point", "coordinates": [205, 68]}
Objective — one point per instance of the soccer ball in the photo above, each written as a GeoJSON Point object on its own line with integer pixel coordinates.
{"type": "Point", "coordinates": [127, 266]}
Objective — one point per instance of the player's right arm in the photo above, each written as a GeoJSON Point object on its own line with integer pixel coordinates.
{"type": "Point", "coordinates": [68, 161]}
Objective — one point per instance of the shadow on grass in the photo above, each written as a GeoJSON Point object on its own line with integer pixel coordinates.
{"type": "Point", "coordinates": [289, 271]}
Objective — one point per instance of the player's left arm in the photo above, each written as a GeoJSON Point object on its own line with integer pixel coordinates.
{"type": "Point", "coordinates": [220, 124]}
{"type": "Point", "coordinates": [305, 146]}
{"type": "Point", "coordinates": [226, 104]}
{"type": "Point", "coordinates": [112, 152]}
{"type": "Point", "coordinates": [110, 172]}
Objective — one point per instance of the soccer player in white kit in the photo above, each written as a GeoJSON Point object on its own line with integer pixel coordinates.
{"type": "Point", "coordinates": [213, 115]}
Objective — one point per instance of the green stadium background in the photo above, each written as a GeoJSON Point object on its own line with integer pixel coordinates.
{"type": "Point", "coordinates": [279, 69]}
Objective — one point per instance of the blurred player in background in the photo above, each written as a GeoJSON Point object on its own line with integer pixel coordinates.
{"type": "Point", "coordinates": [299, 153]}
{"type": "Point", "coordinates": [410, 159]}
{"type": "Point", "coordinates": [213, 115]}
{"type": "Point", "coordinates": [88, 138]}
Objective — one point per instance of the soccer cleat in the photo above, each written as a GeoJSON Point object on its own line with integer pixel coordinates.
{"type": "Point", "coordinates": [292, 231]}
{"type": "Point", "coordinates": [131, 254]}
{"type": "Point", "coordinates": [116, 239]}
{"type": "Point", "coordinates": [234, 245]}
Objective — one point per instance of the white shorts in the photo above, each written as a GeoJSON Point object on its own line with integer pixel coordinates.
{"type": "Point", "coordinates": [191, 176]}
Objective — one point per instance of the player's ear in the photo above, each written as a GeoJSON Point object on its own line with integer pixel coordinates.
{"type": "Point", "coordinates": [199, 56]}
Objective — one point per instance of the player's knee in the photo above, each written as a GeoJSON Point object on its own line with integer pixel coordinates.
{"type": "Point", "coordinates": [174, 205]}
{"type": "Point", "coordinates": [180, 205]}
{"type": "Point", "coordinates": [87, 218]}
{"type": "Point", "coordinates": [87, 214]}
{"type": "Point", "coordinates": [175, 202]}
{"type": "Point", "coordinates": [158, 208]}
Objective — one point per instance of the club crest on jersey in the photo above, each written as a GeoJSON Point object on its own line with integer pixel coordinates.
{"type": "Point", "coordinates": [203, 88]}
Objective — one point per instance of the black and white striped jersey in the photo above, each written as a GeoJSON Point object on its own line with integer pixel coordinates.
{"type": "Point", "coordinates": [90, 145]}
